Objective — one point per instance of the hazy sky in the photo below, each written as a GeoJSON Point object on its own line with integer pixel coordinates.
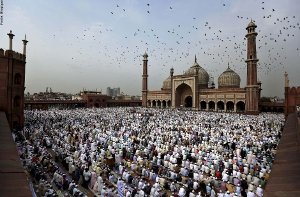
{"type": "Point", "coordinates": [76, 44]}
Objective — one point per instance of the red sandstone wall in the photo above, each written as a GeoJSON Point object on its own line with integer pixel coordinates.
{"type": "Point", "coordinates": [3, 83]}
{"type": "Point", "coordinates": [12, 63]}
{"type": "Point", "coordinates": [292, 99]}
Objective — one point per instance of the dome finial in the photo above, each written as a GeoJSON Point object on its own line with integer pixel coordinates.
{"type": "Point", "coordinates": [145, 55]}
{"type": "Point", "coordinates": [228, 65]}
{"type": "Point", "coordinates": [172, 71]}
{"type": "Point", "coordinates": [195, 59]}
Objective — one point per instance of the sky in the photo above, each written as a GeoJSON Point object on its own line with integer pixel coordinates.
{"type": "Point", "coordinates": [95, 44]}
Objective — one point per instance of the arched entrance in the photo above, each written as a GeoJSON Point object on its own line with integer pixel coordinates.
{"type": "Point", "coordinates": [220, 105]}
{"type": "Point", "coordinates": [240, 106]}
{"type": "Point", "coordinates": [230, 106]}
{"type": "Point", "coordinates": [203, 105]}
{"type": "Point", "coordinates": [153, 103]}
{"type": "Point", "coordinates": [211, 105]}
{"type": "Point", "coordinates": [169, 103]}
{"type": "Point", "coordinates": [164, 104]}
{"type": "Point", "coordinates": [183, 96]}
{"type": "Point", "coordinates": [159, 103]}
{"type": "Point", "coordinates": [188, 101]}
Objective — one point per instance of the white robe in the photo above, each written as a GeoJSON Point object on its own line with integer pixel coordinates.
{"type": "Point", "coordinates": [100, 183]}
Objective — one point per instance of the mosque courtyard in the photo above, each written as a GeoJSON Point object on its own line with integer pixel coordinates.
{"type": "Point", "coordinates": [148, 152]}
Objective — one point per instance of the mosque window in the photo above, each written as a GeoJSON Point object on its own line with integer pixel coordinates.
{"type": "Point", "coordinates": [17, 79]}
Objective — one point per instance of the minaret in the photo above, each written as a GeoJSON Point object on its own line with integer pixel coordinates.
{"type": "Point", "coordinates": [11, 36]}
{"type": "Point", "coordinates": [196, 83]}
{"type": "Point", "coordinates": [145, 80]}
{"type": "Point", "coordinates": [171, 75]}
{"type": "Point", "coordinates": [286, 79]}
{"type": "Point", "coordinates": [24, 45]}
{"type": "Point", "coordinates": [252, 87]}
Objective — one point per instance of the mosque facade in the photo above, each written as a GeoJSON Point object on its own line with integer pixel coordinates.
{"type": "Point", "coordinates": [191, 89]}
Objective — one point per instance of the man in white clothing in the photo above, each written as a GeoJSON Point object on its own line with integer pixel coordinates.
{"type": "Point", "coordinates": [100, 183]}
{"type": "Point", "coordinates": [250, 193]}
{"type": "Point", "coordinates": [181, 192]}
{"type": "Point", "coordinates": [259, 191]}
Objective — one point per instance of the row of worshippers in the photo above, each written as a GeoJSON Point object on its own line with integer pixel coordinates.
{"type": "Point", "coordinates": [227, 152]}
{"type": "Point", "coordinates": [46, 175]}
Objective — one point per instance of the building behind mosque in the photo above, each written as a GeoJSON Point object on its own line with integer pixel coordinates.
{"type": "Point", "coordinates": [193, 88]}
{"type": "Point", "coordinates": [113, 92]}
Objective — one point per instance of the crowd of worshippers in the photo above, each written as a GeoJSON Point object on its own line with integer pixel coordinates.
{"type": "Point", "coordinates": [153, 152]}
{"type": "Point", "coordinates": [46, 175]}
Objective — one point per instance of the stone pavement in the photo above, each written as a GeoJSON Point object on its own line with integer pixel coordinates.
{"type": "Point", "coordinates": [285, 175]}
{"type": "Point", "coordinates": [13, 179]}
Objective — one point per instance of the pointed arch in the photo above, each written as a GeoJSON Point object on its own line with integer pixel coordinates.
{"type": "Point", "coordinates": [158, 103]}
{"type": "Point", "coordinates": [211, 105]}
{"type": "Point", "coordinates": [202, 105]}
{"type": "Point", "coordinates": [230, 106]}
{"type": "Point", "coordinates": [220, 105]}
{"type": "Point", "coordinates": [164, 104]}
{"type": "Point", "coordinates": [181, 93]}
{"type": "Point", "coordinates": [169, 103]}
{"type": "Point", "coordinates": [154, 103]}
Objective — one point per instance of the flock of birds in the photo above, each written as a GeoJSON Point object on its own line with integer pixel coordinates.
{"type": "Point", "coordinates": [176, 44]}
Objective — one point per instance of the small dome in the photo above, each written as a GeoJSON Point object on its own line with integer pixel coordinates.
{"type": "Point", "coordinates": [145, 55]}
{"type": "Point", "coordinates": [167, 84]}
{"type": "Point", "coordinates": [251, 24]}
{"type": "Point", "coordinates": [203, 76]}
{"type": "Point", "coordinates": [229, 79]}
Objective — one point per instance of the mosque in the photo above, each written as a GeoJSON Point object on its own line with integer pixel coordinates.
{"type": "Point", "coordinates": [192, 89]}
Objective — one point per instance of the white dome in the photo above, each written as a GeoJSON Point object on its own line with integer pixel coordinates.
{"type": "Point", "coordinates": [167, 83]}
{"type": "Point", "coordinates": [229, 79]}
{"type": "Point", "coordinates": [203, 76]}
